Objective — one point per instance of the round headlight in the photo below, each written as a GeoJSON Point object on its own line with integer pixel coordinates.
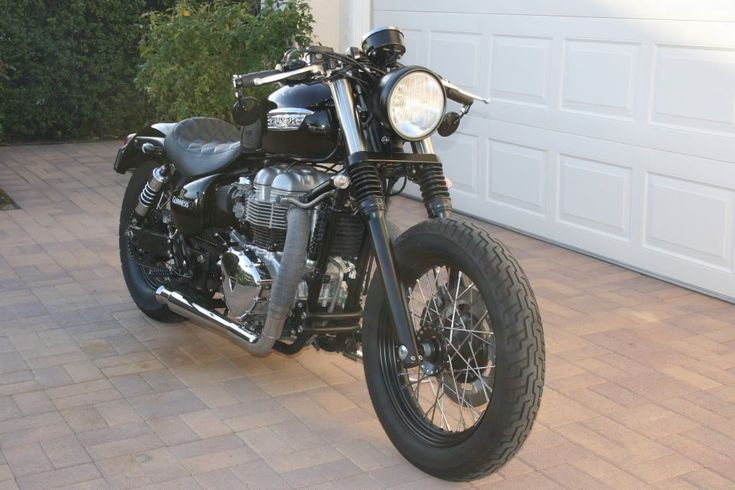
{"type": "Point", "coordinates": [414, 102]}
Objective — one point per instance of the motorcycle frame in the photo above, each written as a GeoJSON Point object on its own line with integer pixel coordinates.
{"type": "Point", "coordinates": [359, 150]}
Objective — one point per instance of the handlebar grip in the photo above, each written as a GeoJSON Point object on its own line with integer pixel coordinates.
{"type": "Point", "coordinates": [458, 96]}
{"type": "Point", "coordinates": [247, 80]}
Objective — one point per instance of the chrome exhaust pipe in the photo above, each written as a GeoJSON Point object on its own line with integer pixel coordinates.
{"type": "Point", "coordinates": [291, 269]}
{"type": "Point", "coordinates": [180, 305]}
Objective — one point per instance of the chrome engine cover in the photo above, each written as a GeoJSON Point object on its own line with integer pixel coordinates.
{"type": "Point", "coordinates": [243, 282]}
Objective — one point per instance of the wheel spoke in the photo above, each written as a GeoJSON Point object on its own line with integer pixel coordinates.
{"type": "Point", "coordinates": [480, 377]}
{"type": "Point", "coordinates": [456, 391]}
{"type": "Point", "coordinates": [418, 387]}
{"type": "Point", "coordinates": [474, 369]}
{"type": "Point", "coordinates": [454, 304]}
{"type": "Point", "coordinates": [423, 298]}
{"type": "Point", "coordinates": [464, 390]}
{"type": "Point", "coordinates": [469, 366]}
{"type": "Point", "coordinates": [432, 408]}
{"type": "Point", "coordinates": [477, 324]}
{"type": "Point", "coordinates": [441, 407]}
{"type": "Point", "coordinates": [450, 314]}
{"type": "Point", "coordinates": [468, 288]}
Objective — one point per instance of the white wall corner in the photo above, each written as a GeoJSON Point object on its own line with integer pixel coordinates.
{"type": "Point", "coordinates": [358, 21]}
{"type": "Point", "coordinates": [340, 23]}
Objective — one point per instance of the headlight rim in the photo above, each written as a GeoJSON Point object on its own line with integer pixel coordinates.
{"type": "Point", "coordinates": [388, 84]}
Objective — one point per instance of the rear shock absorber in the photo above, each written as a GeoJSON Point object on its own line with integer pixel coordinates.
{"type": "Point", "coordinates": [434, 190]}
{"type": "Point", "coordinates": [152, 190]}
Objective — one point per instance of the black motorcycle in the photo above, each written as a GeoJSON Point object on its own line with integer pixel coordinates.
{"type": "Point", "coordinates": [276, 233]}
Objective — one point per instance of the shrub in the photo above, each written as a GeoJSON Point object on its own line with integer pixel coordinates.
{"type": "Point", "coordinates": [189, 52]}
{"type": "Point", "coordinates": [3, 81]}
{"type": "Point", "coordinates": [73, 65]}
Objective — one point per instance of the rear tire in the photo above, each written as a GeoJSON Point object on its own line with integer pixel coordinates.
{"type": "Point", "coordinates": [139, 286]}
{"type": "Point", "coordinates": [511, 314]}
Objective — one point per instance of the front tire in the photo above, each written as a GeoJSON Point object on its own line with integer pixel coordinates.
{"type": "Point", "coordinates": [141, 286]}
{"type": "Point", "coordinates": [485, 352]}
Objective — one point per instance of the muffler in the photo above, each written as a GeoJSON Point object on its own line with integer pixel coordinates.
{"type": "Point", "coordinates": [180, 305]}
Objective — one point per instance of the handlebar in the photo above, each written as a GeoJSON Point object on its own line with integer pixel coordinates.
{"type": "Point", "coordinates": [462, 96]}
{"type": "Point", "coordinates": [271, 76]}
{"type": "Point", "coordinates": [458, 96]}
{"type": "Point", "coordinates": [247, 80]}
{"type": "Point", "coordinates": [258, 78]}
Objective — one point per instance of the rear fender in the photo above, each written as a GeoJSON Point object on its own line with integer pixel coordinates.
{"type": "Point", "coordinates": [131, 154]}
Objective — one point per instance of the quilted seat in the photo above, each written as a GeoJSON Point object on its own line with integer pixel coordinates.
{"type": "Point", "coordinates": [202, 145]}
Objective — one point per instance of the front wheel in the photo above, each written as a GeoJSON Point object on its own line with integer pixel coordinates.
{"type": "Point", "coordinates": [468, 408]}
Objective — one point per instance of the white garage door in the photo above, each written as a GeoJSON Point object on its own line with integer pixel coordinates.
{"type": "Point", "coordinates": [611, 127]}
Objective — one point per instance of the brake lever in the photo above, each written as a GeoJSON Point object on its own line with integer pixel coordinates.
{"type": "Point", "coordinates": [463, 94]}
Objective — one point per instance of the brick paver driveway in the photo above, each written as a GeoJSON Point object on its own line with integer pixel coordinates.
{"type": "Point", "coordinates": [640, 379]}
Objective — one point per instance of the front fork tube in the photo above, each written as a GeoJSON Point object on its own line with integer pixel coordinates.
{"type": "Point", "coordinates": [408, 350]}
{"type": "Point", "coordinates": [373, 208]}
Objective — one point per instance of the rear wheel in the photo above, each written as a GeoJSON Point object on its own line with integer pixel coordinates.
{"type": "Point", "coordinates": [468, 408]}
{"type": "Point", "coordinates": [142, 280]}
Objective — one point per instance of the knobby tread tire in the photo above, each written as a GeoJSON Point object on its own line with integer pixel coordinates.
{"type": "Point", "coordinates": [521, 375]}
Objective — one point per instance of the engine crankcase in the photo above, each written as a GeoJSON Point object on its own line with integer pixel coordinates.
{"type": "Point", "coordinates": [244, 282]}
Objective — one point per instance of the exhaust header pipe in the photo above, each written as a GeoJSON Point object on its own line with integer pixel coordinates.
{"type": "Point", "coordinates": [281, 299]}
{"type": "Point", "coordinates": [180, 305]}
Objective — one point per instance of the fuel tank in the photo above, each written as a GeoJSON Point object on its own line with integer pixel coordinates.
{"type": "Point", "coordinates": [300, 122]}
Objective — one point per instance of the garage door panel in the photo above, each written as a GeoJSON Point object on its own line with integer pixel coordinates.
{"type": "Point", "coordinates": [447, 49]}
{"type": "Point", "coordinates": [674, 139]}
{"type": "Point", "coordinates": [611, 134]}
{"type": "Point", "coordinates": [600, 77]}
{"type": "Point", "coordinates": [595, 196]}
{"type": "Point", "coordinates": [707, 10]}
{"type": "Point", "coordinates": [416, 52]}
{"type": "Point", "coordinates": [464, 172]}
{"type": "Point", "coordinates": [520, 69]}
{"type": "Point", "coordinates": [599, 192]}
{"type": "Point", "coordinates": [520, 100]}
{"type": "Point", "coordinates": [517, 176]}
{"type": "Point", "coordinates": [690, 220]}
{"type": "Point", "coordinates": [694, 88]}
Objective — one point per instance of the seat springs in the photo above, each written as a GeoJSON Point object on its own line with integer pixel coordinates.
{"type": "Point", "coordinates": [434, 190]}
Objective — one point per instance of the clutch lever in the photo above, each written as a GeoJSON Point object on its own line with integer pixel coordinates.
{"type": "Point", "coordinates": [271, 76]}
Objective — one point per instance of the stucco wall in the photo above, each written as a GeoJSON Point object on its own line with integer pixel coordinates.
{"type": "Point", "coordinates": [340, 23]}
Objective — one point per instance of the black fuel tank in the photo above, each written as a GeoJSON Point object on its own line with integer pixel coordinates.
{"type": "Point", "coordinates": [300, 122]}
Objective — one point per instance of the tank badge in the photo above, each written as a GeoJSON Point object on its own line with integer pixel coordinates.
{"type": "Point", "coordinates": [287, 119]}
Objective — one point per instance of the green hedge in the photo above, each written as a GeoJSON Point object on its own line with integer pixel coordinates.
{"type": "Point", "coordinates": [190, 52]}
{"type": "Point", "coordinates": [68, 68]}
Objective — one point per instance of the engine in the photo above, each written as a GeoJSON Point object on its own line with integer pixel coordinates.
{"type": "Point", "coordinates": [257, 204]}
{"type": "Point", "coordinates": [253, 200]}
